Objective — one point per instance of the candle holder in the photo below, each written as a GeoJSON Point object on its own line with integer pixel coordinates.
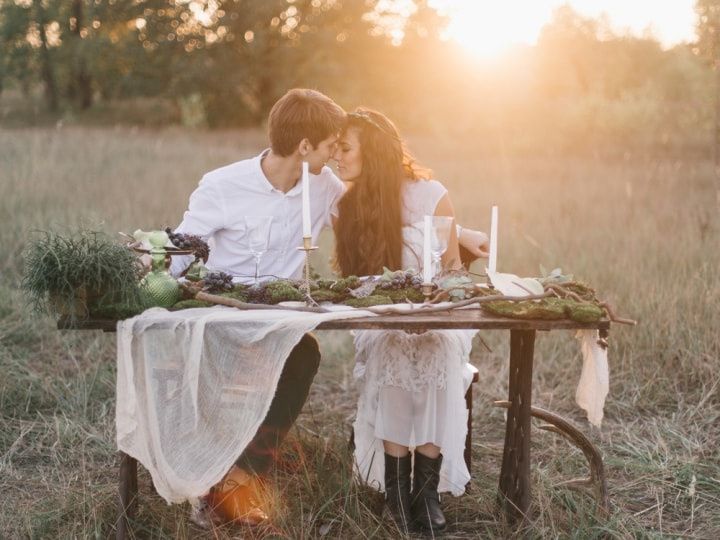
{"type": "Point", "coordinates": [427, 290]}
{"type": "Point", "coordinates": [307, 247]}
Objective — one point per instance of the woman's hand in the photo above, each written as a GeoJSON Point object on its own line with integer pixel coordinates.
{"type": "Point", "coordinates": [476, 242]}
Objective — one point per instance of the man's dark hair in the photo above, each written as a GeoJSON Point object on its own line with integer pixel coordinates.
{"type": "Point", "coordinates": [303, 114]}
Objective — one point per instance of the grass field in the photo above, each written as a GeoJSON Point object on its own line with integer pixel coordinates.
{"type": "Point", "coordinates": [644, 231]}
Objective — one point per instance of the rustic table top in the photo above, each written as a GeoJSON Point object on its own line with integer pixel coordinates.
{"type": "Point", "coordinates": [447, 320]}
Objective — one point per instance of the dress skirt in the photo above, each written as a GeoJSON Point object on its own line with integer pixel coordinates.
{"type": "Point", "coordinates": [412, 392]}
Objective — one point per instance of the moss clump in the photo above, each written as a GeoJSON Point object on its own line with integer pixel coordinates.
{"type": "Point", "coordinates": [546, 309]}
{"type": "Point", "coordinates": [584, 291]}
{"type": "Point", "coordinates": [584, 312]}
{"type": "Point", "coordinates": [238, 292]}
{"type": "Point", "coordinates": [367, 301]}
{"type": "Point", "coordinates": [400, 296]}
{"type": "Point", "coordinates": [326, 295]}
{"type": "Point", "coordinates": [188, 304]}
{"type": "Point", "coordinates": [342, 285]}
{"type": "Point", "coordinates": [281, 291]}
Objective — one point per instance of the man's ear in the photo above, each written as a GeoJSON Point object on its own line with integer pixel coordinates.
{"type": "Point", "coordinates": [304, 147]}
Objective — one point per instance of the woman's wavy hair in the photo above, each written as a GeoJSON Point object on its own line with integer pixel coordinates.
{"type": "Point", "coordinates": [368, 232]}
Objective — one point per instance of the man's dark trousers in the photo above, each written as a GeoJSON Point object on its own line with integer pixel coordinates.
{"type": "Point", "coordinates": [292, 391]}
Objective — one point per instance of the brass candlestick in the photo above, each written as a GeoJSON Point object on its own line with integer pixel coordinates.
{"type": "Point", "coordinates": [307, 247]}
{"type": "Point", "coordinates": [427, 289]}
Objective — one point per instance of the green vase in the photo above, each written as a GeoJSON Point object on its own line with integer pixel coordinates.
{"type": "Point", "coordinates": [161, 288]}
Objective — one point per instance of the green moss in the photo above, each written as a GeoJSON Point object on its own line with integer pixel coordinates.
{"type": "Point", "coordinates": [239, 292]}
{"type": "Point", "coordinates": [581, 289]}
{"type": "Point", "coordinates": [367, 301]}
{"type": "Point", "coordinates": [400, 296]}
{"type": "Point", "coordinates": [342, 285]}
{"type": "Point", "coordinates": [281, 291]}
{"type": "Point", "coordinates": [191, 303]}
{"type": "Point", "coordinates": [547, 309]}
{"type": "Point", "coordinates": [584, 312]}
{"type": "Point", "coordinates": [325, 295]}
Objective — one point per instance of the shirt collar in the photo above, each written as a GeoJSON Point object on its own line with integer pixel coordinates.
{"type": "Point", "coordinates": [265, 183]}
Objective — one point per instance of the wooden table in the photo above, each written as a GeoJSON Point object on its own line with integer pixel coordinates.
{"type": "Point", "coordinates": [514, 484]}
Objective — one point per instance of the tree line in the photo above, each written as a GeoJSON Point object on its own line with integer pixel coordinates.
{"type": "Point", "coordinates": [234, 58]}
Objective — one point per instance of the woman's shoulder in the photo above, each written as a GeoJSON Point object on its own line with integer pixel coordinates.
{"type": "Point", "coordinates": [421, 197]}
{"type": "Point", "coordinates": [425, 188]}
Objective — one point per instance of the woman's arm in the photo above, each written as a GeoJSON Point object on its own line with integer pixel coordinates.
{"type": "Point", "coordinates": [451, 257]}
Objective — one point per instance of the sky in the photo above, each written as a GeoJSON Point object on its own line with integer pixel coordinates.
{"type": "Point", "coordinates": [490, 26]}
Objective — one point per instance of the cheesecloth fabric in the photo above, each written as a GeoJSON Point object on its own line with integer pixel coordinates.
{"type": "Point", "coordinates": [193, 387]}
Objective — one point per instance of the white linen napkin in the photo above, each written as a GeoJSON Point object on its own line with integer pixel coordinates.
{"type": "Point", "coordinates": [595, 377]}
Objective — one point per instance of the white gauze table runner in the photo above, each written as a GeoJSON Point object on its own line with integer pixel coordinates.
{"type": "Point", "coordinates": [193, 387]}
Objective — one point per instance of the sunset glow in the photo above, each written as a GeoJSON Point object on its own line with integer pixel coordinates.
{"type": "Point", "coordinates": [490, 28]}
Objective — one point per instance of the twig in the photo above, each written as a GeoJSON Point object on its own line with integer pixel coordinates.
{"type": "Point", "coordinates": [615, 318]}
{"type": "Point", "coordinates": [231, 302]}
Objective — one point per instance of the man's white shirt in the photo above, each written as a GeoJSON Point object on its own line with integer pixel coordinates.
{"type": "Point", "coordinates": [223, 198]}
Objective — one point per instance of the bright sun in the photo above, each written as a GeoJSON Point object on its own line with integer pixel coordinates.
{"type": "Point", "coordinates": [490, 28]}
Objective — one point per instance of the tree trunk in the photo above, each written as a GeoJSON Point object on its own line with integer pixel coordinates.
{"type": "Point", "coordinates": [47, 71]}
{"type": "Point", "coordinates": [81, 76]}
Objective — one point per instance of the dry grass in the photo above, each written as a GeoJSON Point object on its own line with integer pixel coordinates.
{"type": "Point", "coordinates": [644, 231]}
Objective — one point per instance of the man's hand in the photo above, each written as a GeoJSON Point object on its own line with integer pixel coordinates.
{"type": "Point", "coordinates": [476, 242]}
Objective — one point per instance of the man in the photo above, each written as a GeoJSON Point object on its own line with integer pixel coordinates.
{"type": "Point", "coordinates": [303, 126]}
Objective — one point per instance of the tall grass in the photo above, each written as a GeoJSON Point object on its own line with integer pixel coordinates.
{"type": "Point", "coordinates": [644, 231]}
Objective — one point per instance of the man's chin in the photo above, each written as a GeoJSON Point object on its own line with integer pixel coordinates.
{"type": "Point", "coordinates": [316, 170]}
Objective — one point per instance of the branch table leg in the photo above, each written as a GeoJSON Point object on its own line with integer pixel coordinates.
{"type": "Point", "coordinates": [515, 472]}
{"type": "Point", "coordinates": [127, 491]}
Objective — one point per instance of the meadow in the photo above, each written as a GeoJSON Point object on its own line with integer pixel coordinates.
{"type": "Point", "coordinates": [642, 228]}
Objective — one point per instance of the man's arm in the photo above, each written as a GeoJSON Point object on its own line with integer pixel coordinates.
{"type": "Point", "coordinates": [204, 216]}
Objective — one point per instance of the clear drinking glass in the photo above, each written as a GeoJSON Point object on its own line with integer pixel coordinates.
{"type": "Point", "coordinates": [257, 237]}
{"type": "Point", "coordinates": [439, 240]}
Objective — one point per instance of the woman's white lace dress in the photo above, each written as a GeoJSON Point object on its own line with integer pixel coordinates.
{"type": "Point", "coordinates": [413, 385]}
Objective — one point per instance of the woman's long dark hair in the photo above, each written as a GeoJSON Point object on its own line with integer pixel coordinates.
{"type": "Point", "coordinates": [368, 232]}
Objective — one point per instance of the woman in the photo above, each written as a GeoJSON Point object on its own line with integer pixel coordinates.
{"type": "Point", "coordinates": [412, 385]}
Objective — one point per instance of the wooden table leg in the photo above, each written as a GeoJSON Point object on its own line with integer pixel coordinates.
{"type": "Point", "coordinates": [515, 472]}
{"type": "Point", "coordinates": [127, 491]}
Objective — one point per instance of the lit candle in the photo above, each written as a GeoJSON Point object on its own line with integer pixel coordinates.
{"type": "Point", "coordinates": [307, 229]}
{"type": "Point", "coordinates": [492, 262]}
{"type": "Point", "coordinates": [427, 256]}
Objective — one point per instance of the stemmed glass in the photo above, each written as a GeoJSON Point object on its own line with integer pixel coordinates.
{"type": "Point", "coordinates": [257, 229]}
{"type": "Point", "coordinates": [439, 240]}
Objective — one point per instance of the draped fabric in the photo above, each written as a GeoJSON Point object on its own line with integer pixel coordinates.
{"type": "Point", "coordinates": [193, 386]}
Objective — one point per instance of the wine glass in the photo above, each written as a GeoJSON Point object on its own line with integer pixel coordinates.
{"type": "Point", "coordinates": [257, 237]}
{"type": "Point", "coordinates": [439, 239]}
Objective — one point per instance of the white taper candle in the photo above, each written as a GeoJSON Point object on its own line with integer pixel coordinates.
{"type": "Point", "coordinates": [427, 255]}
{"type": "Point", "coordinates": [492, 261]}
{"type": "Point", "coordinates": [306, 223]}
